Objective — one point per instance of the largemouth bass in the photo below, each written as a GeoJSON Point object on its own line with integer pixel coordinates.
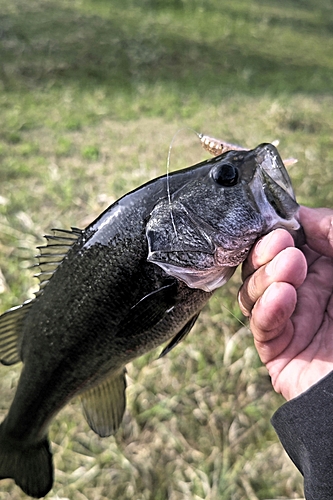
{"type": "Point", "coordinates": [137, 277]}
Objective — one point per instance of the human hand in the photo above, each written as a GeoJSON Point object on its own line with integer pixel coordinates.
{"type": "Point", "coordinates": [288, 295]}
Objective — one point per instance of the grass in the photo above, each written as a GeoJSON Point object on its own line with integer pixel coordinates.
{"type": "Point", "coordinates": [92, 93]}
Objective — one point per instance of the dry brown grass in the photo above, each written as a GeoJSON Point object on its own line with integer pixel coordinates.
{"type": "Point", "coordinates": [85, 117]}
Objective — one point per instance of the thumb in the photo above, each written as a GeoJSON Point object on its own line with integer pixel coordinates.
{"type": "Point", "coordinates": [318, 228]}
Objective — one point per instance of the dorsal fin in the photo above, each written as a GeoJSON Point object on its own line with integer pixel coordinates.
{"type": "Point", "coordinates": [53, 253]}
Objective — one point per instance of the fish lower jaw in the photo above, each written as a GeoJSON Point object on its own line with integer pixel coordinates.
{"type": "Point", "coordinates": [295, 229]}
{"type": "Point", "coordinates": [289, 225]}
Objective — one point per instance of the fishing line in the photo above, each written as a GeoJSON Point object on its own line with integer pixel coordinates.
{"type": "Point", "coordinates": [199, 135]}
{"type": "Point", "coordinates": [215, 298]}
{"type": "Point", "coordinates": [235, 317]}
{"type": "Point", "coordinates": [168, 173]}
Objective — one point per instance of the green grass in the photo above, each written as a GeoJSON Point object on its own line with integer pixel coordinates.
{"type": "Point", "coordinates": [91, 95]}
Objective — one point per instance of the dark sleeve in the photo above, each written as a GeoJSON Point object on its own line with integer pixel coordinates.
{"type": "Point", "coordinates": [305, 428]}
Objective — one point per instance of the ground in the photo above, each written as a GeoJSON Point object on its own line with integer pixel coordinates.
{"type": "Point", "coordinates": [92, 95]}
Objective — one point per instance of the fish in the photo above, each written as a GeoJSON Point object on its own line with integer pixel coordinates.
{"type": "Point", "coordinates": [135, 278]}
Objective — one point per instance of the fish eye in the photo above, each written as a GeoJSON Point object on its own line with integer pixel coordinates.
{"type": "Point", "coordinates": [226, 175]}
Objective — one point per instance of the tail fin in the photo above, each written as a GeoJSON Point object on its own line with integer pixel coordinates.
{"type": "Point", "coordinates": [30, 467]}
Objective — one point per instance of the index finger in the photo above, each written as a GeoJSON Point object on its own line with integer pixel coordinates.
{"type": "Point", "coordinates": [318, 227]}
{"type": "Point", "coordinates": [266, 249]}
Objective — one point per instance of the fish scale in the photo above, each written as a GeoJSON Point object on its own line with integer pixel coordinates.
{"type": "Point", "coordinates": [135, 278]}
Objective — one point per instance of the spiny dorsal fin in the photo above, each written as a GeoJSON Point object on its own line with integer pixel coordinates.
{"type": "Point", "coordinates": [53, 253]}
{"type": "Point", "coordinates": [11, 323]}
{"type": "Point", "coordinates": [104, 405]}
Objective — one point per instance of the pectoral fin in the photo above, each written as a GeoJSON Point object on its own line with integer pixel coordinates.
{"type": "Point", "coordinates": [180, 336]}
{"type": "Point", "coordinates": [146, 313]}
{"type": "Point", "coordinates": [104, 405]}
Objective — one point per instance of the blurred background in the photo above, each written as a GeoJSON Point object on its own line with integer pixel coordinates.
{"type": "Point", "coordinates": [92, 92]}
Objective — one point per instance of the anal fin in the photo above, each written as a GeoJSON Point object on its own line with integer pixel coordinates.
{"type": "Point", "coordinates": [11, 325]}
{"type": "Point", "coordinates": [104, 404]}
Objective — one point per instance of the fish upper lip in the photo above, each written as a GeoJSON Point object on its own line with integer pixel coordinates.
{"type": "Point", "coordinates": [274, 198]}
{"type": "Point", "coordinates": [267, 151]}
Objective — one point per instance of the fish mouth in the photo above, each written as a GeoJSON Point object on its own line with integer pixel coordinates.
{"type": "Point", "coordinates": [272, 191]}
{"type": "Point", "coordinates": [268, 159]}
